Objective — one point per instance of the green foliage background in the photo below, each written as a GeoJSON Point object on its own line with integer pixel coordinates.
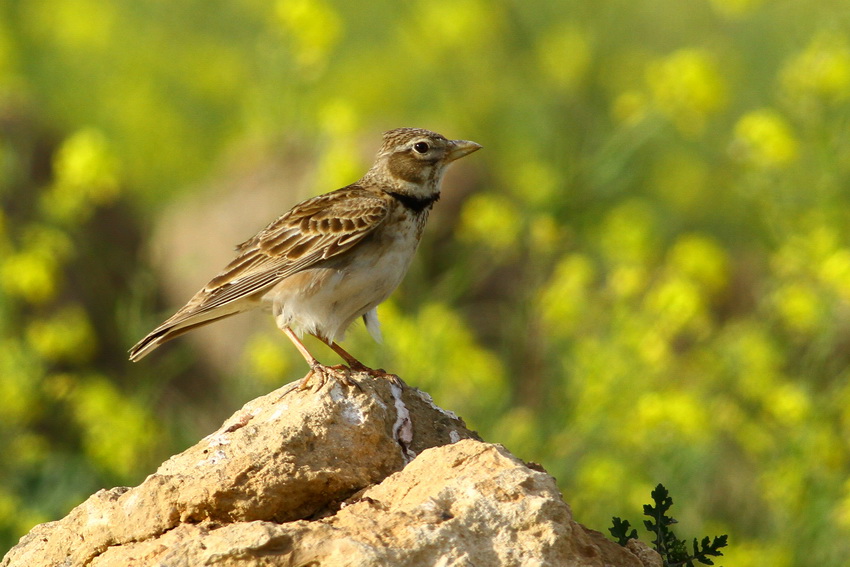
{"type": "Point", "coordinates": [650, 282]}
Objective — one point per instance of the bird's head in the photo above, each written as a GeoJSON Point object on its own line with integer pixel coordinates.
{"type": "Point", "coordinates": [413, 160]}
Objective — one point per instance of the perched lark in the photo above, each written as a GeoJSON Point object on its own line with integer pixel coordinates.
{"type": "Point", "coordinates": [332, 258]}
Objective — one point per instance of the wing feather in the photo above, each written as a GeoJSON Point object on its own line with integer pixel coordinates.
{"type": "Point", "coordinates": [314, 230]}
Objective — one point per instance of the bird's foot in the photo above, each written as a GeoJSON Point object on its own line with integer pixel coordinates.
{"type": "Point", "coordinates": [357, 366]}
{"type": "Point", "coordinates": [322, 373]}
{"type": "Point", "coordinates": [381, 373]}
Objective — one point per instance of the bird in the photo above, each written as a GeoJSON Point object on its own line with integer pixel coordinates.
{"type": "Point", "coordinates": [332, 258]}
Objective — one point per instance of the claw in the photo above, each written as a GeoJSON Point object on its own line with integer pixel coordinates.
{"type": "Point", "coordinates": [338, 373]}
{"type": "Point", "coordinates": [381, 373]}
{"type": "Point", "coordinates": [357, 366]}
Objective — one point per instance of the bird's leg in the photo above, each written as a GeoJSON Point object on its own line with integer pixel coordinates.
{"type": "Point", "coordinates": [358, 366]}
{"type": "Point", "coordinates": [316, 367]}
{"type": "Point", "coordinates": [353, 363]}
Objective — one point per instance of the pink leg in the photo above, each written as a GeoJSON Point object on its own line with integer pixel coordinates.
{"type": "Point", "coordinates": [316, 367]}
{"type": "Point", "coordinates": [348, 357]}
{"type": "Point", "coordinates": [358, 366]}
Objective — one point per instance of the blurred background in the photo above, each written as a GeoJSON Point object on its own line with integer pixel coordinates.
{"type": "Point", "coordinates": [644, 277]}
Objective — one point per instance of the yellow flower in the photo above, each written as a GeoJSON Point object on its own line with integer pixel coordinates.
{"type": "Point", "coordinates": [675, 304]}
{"type": "Point", "coordinates": [86, 173]}
{"type": "Point", "coordinates": [682, 179]}
{"type": "Point", "coordinates": [627, 234]}
{"type": "Point", "coordinates": [789, 404]}
{"type": "Point", "coordinates": [30, 276]}
{"type": "Point", "coordinates": [822, 70]}
{"type": "Point", "coordinates": [118, 431]}
{"type": "Point", "coordinates": [679, 415]}
{"type": "Point", "coordinates": [701, 260]}
{"type": "Point", "coordinates": [834, 271]}
{"type": "Point", "coordinates": [764, 139]}
{"type": "Point", "coordinates": [314, 28]}
{"type": "Point", "coordinates": [687, 87]}
{"type": "Point", "coordinates": [735, 9]}
{"type": "Point", "coordinates": [535, 182]}
{"type": "Point", "coordinates": [565, 297]}
{"type": "Point", "coordinates": [799, 306]}
{"type": "Point", "coordinates": [630, 108]}
{"type": "Point", "coordinates": [67, 335]}
{"type": "Point", "coordinates": [491, 220]}
{"type": "Point", "coordinates": [265, 358]}
{"type": "Point", "coordinates": [563, 56]}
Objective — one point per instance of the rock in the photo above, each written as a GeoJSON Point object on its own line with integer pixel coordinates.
{"type": "Point", "coordinates": [376, 475]}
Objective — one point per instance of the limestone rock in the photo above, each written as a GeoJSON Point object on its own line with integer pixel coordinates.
{"type": "Point", "coordinates": [376, 475]}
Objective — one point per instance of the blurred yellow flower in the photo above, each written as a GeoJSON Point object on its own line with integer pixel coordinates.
{"type": "Point", "coordinates": [30, 447]}
{"type": "Point", "coordinates": [764, 139]}
{"type": "Point", "coordinates": [7, 57]}
{"type": "Point", "coordinates": [535, 182]}
{"type": "Point", "coordinates": [627, 280]}
{"type": "Point", "coordinates": [338, 117]}
{"type": "Point", "coordinates": [842, 509]}
{"type": "Point", "coordinates": [835, 272]}
{"type": "Point", "coordinates": [564, 298]}
{"type": "Point", "coordinates": [599, 475]}
{"type": "Point", "coordinates": [627, 234]}
{"type": "Point", "coordinates": [314, 28]}
{"type": "Point", "coordinates": [338, 165]}
{"type": "Point", "coordinates": [66, 336]}
{"type": "Point", "coordinates": [682, 180]}
{"type": "Point", "coordinates": [821, 71]}
{"type": "Point", "coordinates": [490, 220]}
{"type": "Point", "coordinates": [675, 304]}
{"type": "Point", "coordinates": [32, 273]}
{"type": "Point", "coordinates": [653, 346]}
{"type": "Point", "coordinates": [687, 87]}
{"type": "Point", "coordinates": [630, 107]}
{"type": "Point", "coordinates": [118, 430]}
{"type": "Point", "coordinates": [19, 376]}
{"type": "Point", "coordinates": [799, 306]}
{"type": "Point", "coordinates": [520, 427]}
{"type": "Point", "coordinates": [756, 439]}
{"type": "Point", "coordinates": [265, 359]}
{"type": "Point", "coordinates": [789, 404]}
{"type": "Point", "coordinates": [783, 485]}
{"type": "Point", "coordinates": [749, 553]}
{"type": "Point", "coordinates": [806, 249]}
{"type": "Point", "coordinates": [86, 175]}
{"type": "Point", "coordinates": [10, 503]}
{"type": "Point", "coordinates": [563, 55]}
{"type": "Point", "coordinates": [447, 25]}
{"type": "Point", "coordinates": [72, 24]}
{"type": "Point", "coordinates": [546, 234]}
{"type": "Point", "coordinates": [32, 277]}
{"type": "Point", "coordinates": [736, 8]}
{"type": "Point", "coordinates": [437, 346]}
{"type": "Point", "coordinates": [701, 259]}
{"type": "Point", "coordinates": [753, 360]}
{"type": "Point", "coordinates": [663, 415]}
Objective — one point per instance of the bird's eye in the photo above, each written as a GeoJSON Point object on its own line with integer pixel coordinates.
{"type": "Point", "coordinates": [421, 147]}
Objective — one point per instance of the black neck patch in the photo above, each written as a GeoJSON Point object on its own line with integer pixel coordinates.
{"type": "Point", "coordinates": [415, 204]}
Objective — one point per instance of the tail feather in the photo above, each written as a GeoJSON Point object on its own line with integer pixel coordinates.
{"type": "Point", "coordinates": [170, 330]}
{"type": "Point", "coordinates": [156, 338]}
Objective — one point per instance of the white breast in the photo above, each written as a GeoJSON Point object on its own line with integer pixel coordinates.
{"type": "Point", "coordinates": [326, 299]}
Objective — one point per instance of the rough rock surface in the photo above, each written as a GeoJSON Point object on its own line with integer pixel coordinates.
{"type": "Point", "coordinates": [342, 476]}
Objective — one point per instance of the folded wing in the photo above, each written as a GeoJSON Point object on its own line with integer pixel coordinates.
{"type": "Point", "coordinates": [317, 229]}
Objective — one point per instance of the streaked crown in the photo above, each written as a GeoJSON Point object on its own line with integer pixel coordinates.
{"type": "Point", "coordinates": [417, 157]}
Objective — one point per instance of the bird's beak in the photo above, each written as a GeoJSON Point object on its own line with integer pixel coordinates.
{"type": "Point", "coordinates": [460, 148]}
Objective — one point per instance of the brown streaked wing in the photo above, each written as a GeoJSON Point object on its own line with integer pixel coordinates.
{"type": "Point", "coordinates": [314, 230]}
